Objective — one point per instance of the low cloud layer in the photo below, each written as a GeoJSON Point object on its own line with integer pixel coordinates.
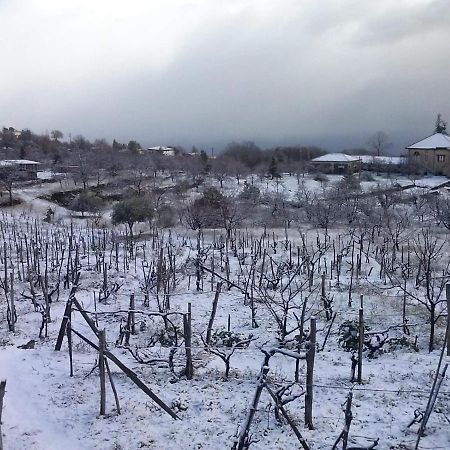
{"type": "Point", "coordinates": [206, 72]}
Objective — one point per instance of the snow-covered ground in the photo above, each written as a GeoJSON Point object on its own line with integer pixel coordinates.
{"type": "Point", "coordinates": [46, 409]}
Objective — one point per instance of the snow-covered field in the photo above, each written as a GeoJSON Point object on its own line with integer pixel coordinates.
{"type": "Point", "coordinates": [46, 409]}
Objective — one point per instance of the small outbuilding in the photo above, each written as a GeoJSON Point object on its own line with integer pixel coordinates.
{"type": "Point", "coordinates": [431, 155]}
{"type": "Point", "coordinates": [337, 163]}
{"type": "Point", "coordinates": [19, 169]}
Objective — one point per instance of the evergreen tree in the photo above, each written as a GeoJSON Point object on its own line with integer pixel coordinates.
{"type": "Point", "coordinates": [273, 169]}
{"type": "Point", "coordinates": [441, 125]}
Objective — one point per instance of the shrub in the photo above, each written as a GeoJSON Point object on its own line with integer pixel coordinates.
{"type": "Point", "coordinates": [209, 210]}
{"type": "Point", "coordinates": [321, 177]}
{"type": "Point", "coordinates": [166, 217]}
{"type": "Point", "coordinates": [348, 335]}
{"type": "Point", "coordinates": [224, 338]}
{"type": "Point", "coordinates": [250, 193]}
{"type": "Point", "coordinates": [132, 210]}
{"type": "Point", "coordinates": [366, 176]}
{"type": "Point", "coordinates": [86, 202]}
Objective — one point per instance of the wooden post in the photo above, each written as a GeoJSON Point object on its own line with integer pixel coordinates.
{"type": "Point", "coordinates": [6, 267]}
{"type": "Point", "coordinates": [434, 391]}
{"type": "Point", "coordinates": [447, 292]}
{"type": "Point", "coordinates": [69, 338]}
{"type": "Point", "coordinates": [101, 366]}
{"type": "Point", "coordinates": [310, 355]}
{"type": "Point", "coordinates": [405, 327]}
{"type": "Point", "coordinates": [360, 340]}
{"type": "Point", "coordinates": [288, 419]}
{"type": "Point", "coordinates": [2, 394]}
{"type": "Point", "coordinates": [130, 321]}
{"type": "Point", "coordinates": [113, 387]}
{"type": "Point", "coordinates": [131, 375]}
{"type": "Point", "coordinates": [348, 420]}
{"type": "Point", "coordinates": [213, 313]}
{"type": "Point", "coordinates": [242, 439]}
{"type": "Point", "coordinates": [429, 410]}
{"type": "Point", "coordinates": [132, 315]}
{"type": "Point", "coordinates": [188, 342]}
{"type": "Point", "coordinates": [323, 288]}
{"type": "Point", "coordinates": [12, 324]}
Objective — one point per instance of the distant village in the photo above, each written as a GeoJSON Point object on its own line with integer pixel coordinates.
{"type": "Point", "coordinates": [23, 155]}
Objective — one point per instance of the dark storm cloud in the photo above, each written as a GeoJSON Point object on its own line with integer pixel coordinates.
{"type": "Point", "coordinates": [208, 72]}
{"type": "Point", "coordinates": [407, 20]}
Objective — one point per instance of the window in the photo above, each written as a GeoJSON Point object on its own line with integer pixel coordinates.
{"type": "Point", "coordinates": [441, 158]}
{"type": "Point", "coordinates": [416, 155]}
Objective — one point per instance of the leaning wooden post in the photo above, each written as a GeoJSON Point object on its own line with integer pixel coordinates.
{"type": "Point", "coordinates": [213, 313]}
{"type": "Point", "coordinates": [447, 292]}
{"type": "Point", "coordinates": [113, 387]}
{"type": "Point", "coordinates": [310, 355]}
{"type": "Point", "coordinates": [187, 342]}
{"type": "Point", "coordinates": [348, 421]}
{"type": "Point", "coordinates": [101, 366]}
{"type": "Point", "coordinates": [360, 340]}
{"type": "Point", "coordinates": [2, 394]}
{"type": "Point", "coordinates": [242, 439]}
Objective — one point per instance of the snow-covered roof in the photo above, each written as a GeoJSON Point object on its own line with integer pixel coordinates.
{"type": "Point", "coordinates": [431, 182]}
{"type": "Point", "coordinates": [437, 140]}
{"type": "Point", "coordinates": [335, 157]}
{"type": "Point", "coordinates": [18, 162]}
{"type": "Point", "coordinates": [161, 148]}
{"type": "Point", "coordinates": [371, 159]}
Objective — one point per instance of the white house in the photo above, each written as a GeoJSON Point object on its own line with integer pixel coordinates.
{"type": "Point", "coordinates": [162, 150]}
{"type": "Point", "coordinates": [337, 163]}
{"type": "Point", "coordinates": [19, 168]}
{"type": "Point", "coordinates": [431, 154]}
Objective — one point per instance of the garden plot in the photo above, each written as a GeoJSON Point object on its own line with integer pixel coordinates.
{"type": "Point", "coordinates": [155, 297]}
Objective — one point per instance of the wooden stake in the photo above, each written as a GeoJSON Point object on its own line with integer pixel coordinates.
{"type": "Point", "coordinates": [2, 394]}
{"type": "Point", "coordinates": [213, 313]}
{"type": "Point", "coordinates": [187, 343]}
{"type": "Point", "coordinates": [360, 341]}
{"type": "Point", "coordinates": [69, 338]}
{"type": "Point", "coordinates": [280, 406]}
{"type": "Point", "coordinates": [241, 443]}
{"type": "Point", "coordinates": [113, 387]}
{"type": "Point", "coordinates": [447, 292]}
{"type": "Point", "coordinates": [13, 316]}
{"type": "Point", "coordinates": [348, 421]}
{"type": "Point", "coordinates": [310, 375]}
{"type": "Point", "coordinates": [101, 366]}
{"type": "Point", "coordinates": [131, 375]}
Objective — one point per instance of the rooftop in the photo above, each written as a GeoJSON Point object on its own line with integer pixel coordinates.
{"type": "Point", "coordinates": [161, 149]}
{"type": "Point", "coordinates": [371, 159]}
{"type": "Point", "coordinates": [18, 162]}
{"type": "Point", "coordinates": [437, 140]}
{"type": "Point", "coordinates": [336, 157]}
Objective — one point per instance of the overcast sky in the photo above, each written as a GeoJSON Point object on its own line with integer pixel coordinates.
{"type": "Point", "coordinates": [205, 72]}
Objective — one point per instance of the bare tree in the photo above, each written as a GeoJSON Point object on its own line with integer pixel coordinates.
{"type": "Point", "coordinates": [440, 208]}
{"type": "Point", "coordinates": [433, 273]}
{"type": "Point", "coordinates": [379, 143]}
